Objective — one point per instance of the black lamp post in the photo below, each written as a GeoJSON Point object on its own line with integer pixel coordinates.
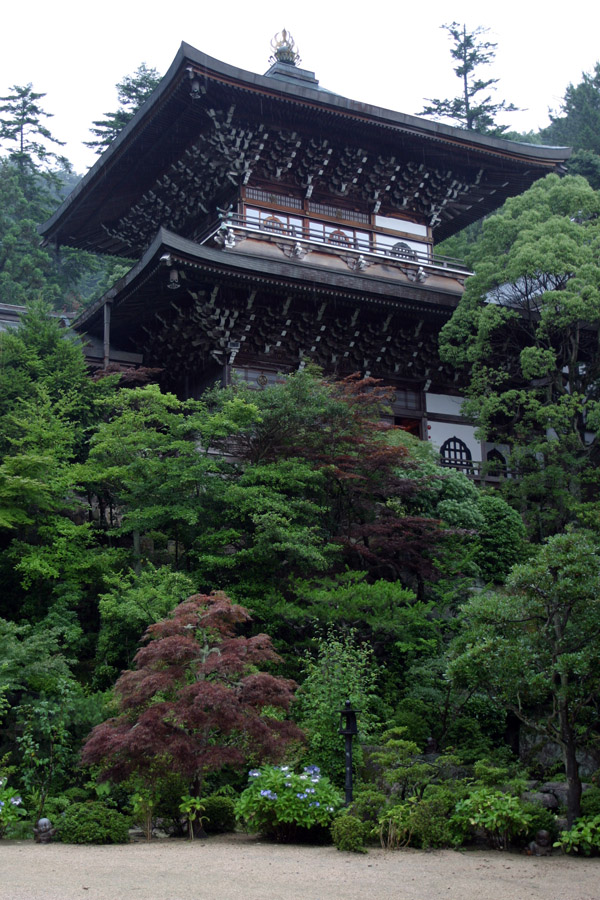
{"type": "Point", "coordinates": [349, 728]}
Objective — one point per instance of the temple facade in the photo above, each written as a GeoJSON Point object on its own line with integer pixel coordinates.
{"type": "Point", "coordinates": [275, 223]}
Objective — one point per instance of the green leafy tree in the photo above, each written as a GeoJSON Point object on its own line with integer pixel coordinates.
{"type": "Point", "coordinates": [577, 125]}
{"type": "Point", "coordinates": [473, 109]}
{"type": "Point", "coordinates": [131, 603]}
{"type": "Point", "coordinates": [524, 334]}
{"type": "Point", "coordinates": [535, 648]}
{"type": "Point", "coordinates": [132, 92]}
{"type": "Point", "coordinates": [342, 669]}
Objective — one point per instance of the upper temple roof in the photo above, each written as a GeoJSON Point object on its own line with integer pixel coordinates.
{"type": "Point", "coordinates": [210, 128]}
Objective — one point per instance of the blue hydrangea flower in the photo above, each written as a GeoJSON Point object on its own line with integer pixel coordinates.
{"type": "Point", "coordinates": [254, 773]}
{"type": "Point", "coordinates": [301, 796]}
{"type": "Point", "coordinates": [16, 801]}
{"type": "Point", "coordinates": [315, 803]}
{"type": "Point", "coordinates": [270, 795]}
{"type": "Point", "coordinates": [312, 770]}
{"type": "Point", "coordinates": [310, 790]}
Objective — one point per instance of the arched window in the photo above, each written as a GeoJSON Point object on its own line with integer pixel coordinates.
{"type": "Point", "coordinates": [496, 462]}
{"type": "Point", "coordinates": [272, 223]}
{"type": "Point", "coordinates": [456, 454]}
{"type": "Point", "coordinates": [402, 250]}
{"type": "Point", "coordinates": [338, 237]}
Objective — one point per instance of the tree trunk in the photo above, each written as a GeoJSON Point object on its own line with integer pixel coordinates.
{"type": "Point", "coordinates": [571, 766]}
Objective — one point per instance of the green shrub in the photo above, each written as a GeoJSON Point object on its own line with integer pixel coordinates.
{"type": "Point", "coordinates": [430, 818]}
{"type": "Point", "coordinates": [54, 807]}
{"type": "Point", "coordinates": [420, 822]}
{"type": "Point", "coordinates": [500, 816]}
{"type": "Point", "coordinates": [285, 805]}
{"type": "Point", "coordinates": [93, 823]}
{"type": "Point", "coordinates": [394, 826]}
{"type": "Point", "coordinates": [540, 819]}
{"type": "Point", "coordinates": [219, 813]}
{"type": "Point", "coordinates": [368, 805]}
{"type": "Point", "coordinates": [349, 833]}
{"type": "Point", "coordinates": [590, 802]}
{"type": "Point", "coordinates": [584, 837]}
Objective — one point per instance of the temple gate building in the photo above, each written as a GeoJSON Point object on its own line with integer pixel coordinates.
{"type": "Point", "coordinates": [275, 222]}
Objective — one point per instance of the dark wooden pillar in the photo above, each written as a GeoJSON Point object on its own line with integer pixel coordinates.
{"type": "Point", "coordinates": [106, 348]}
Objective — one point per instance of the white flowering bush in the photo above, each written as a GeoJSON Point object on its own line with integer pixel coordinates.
{"type": "Point", "coordinates": [10, 807]}
{"type": "Point", "coordinates": [283, 804]}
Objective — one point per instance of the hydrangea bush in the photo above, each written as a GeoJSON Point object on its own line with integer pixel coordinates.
{"type": "Point", "coordinates": [283, 804]}
{"type": "Point", "coordinates": [10, 807]}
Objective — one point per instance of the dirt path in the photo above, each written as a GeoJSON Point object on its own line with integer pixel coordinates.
{"type": "Point", "coordinates": [242, 866]}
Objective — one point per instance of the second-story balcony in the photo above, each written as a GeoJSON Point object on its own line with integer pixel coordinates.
{"type": "Point", "coordinates": [299, 237]}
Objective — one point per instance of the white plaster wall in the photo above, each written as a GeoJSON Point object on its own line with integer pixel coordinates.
{"type": "Point", "coordinates": [443, 404]}
{"type": "Point", "coordinates": [400, 225]}
{"type": "Point", "coordinates": [439, 432]}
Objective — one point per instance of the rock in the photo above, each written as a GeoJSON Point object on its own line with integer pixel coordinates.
{"type": "Point", "coordinates": [540, 798]}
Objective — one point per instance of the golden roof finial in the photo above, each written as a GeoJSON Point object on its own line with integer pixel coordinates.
{"type": "Point", "coordinates": [284, 49]}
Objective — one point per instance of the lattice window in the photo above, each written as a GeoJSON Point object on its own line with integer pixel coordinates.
{"type": "Point", "coordinates": [335, 212]}
{"type": "Point", "coordinates": [407, 399]}
{"type": "Point", "coordinates": [456, 454]}
{"type": "Point", "coordinates": [278, 199]}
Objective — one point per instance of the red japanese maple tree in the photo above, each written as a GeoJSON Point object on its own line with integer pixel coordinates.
{"type": "Point", "coordinates": [196, 701]}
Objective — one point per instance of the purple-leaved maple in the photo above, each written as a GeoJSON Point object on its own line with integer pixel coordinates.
{"type": "Point", "coordinates": [196, 701]}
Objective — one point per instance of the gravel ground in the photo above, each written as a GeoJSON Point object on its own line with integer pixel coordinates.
{"type": "Point", "coordinates": [232, 867]}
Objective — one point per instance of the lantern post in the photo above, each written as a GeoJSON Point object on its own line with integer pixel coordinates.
{"type": "Point", "coordinates": [348, 727]}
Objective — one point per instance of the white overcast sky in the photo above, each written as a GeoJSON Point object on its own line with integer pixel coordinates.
{"type": "Point", "coordinates": [390, 54]}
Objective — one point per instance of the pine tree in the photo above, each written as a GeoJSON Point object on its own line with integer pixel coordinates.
{"type": "Point", "coordinates": [26, 137]}
{"type": "Point", "coordinates": [470, 110]}
{"type": "Point", "coordinates": [132, 92]}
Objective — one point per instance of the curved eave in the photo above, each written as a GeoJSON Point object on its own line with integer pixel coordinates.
{"type": "Point", "coordinates": [221, 266]}
{"type": "Point", "coordinates": [124, 154]}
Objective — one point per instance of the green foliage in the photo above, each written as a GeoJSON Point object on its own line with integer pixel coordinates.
{"type": "Point", "coordinates": [132, 92]}
{"type": "Point", "coordinates": [341, 670]}
{"type": "Point", "coordinates": [349, 833]}
{"type": "Point", "coordinates": [143, 802]}
{"type": "Point", "coordinates": [283, 804]}
{"type": "Point", "coordinates": [420, 822]}
{"type": "Point", "coordinates": [535, 646]}
{"type": "Point", "coordinates": [192, 808]}
{"type": "Point", "coordinates": [500, 816]}
{"type": "Point", "coordinates": [501, 539]}
{"type": "Point", "coordinates": [590, 802]}
{"type": "Point", "coordinates": [470, 110]}
{"type": "Point", "coordinates": [93, 823]}
{"type": "Point", "coordinates": [540, 819]}
{"type": "Point", "coordinates": [131, 603]}
{"type": "Point", "coordinates": [22, 131]}
{"type": "Point", "coordinates": [368, 804]}
{"type": "Point", "coordinates": [219, 814]}
{"type": "Point", "coordinates": [583, 837]}
{"type": "Point", "coordinates": [579, 124]}
{"type": "Point", "coordinates": [11, 808]}
{"type": "Point", "coordinates": [407, 773]}
{"type": "Point", "coordinates": [517, 332]}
